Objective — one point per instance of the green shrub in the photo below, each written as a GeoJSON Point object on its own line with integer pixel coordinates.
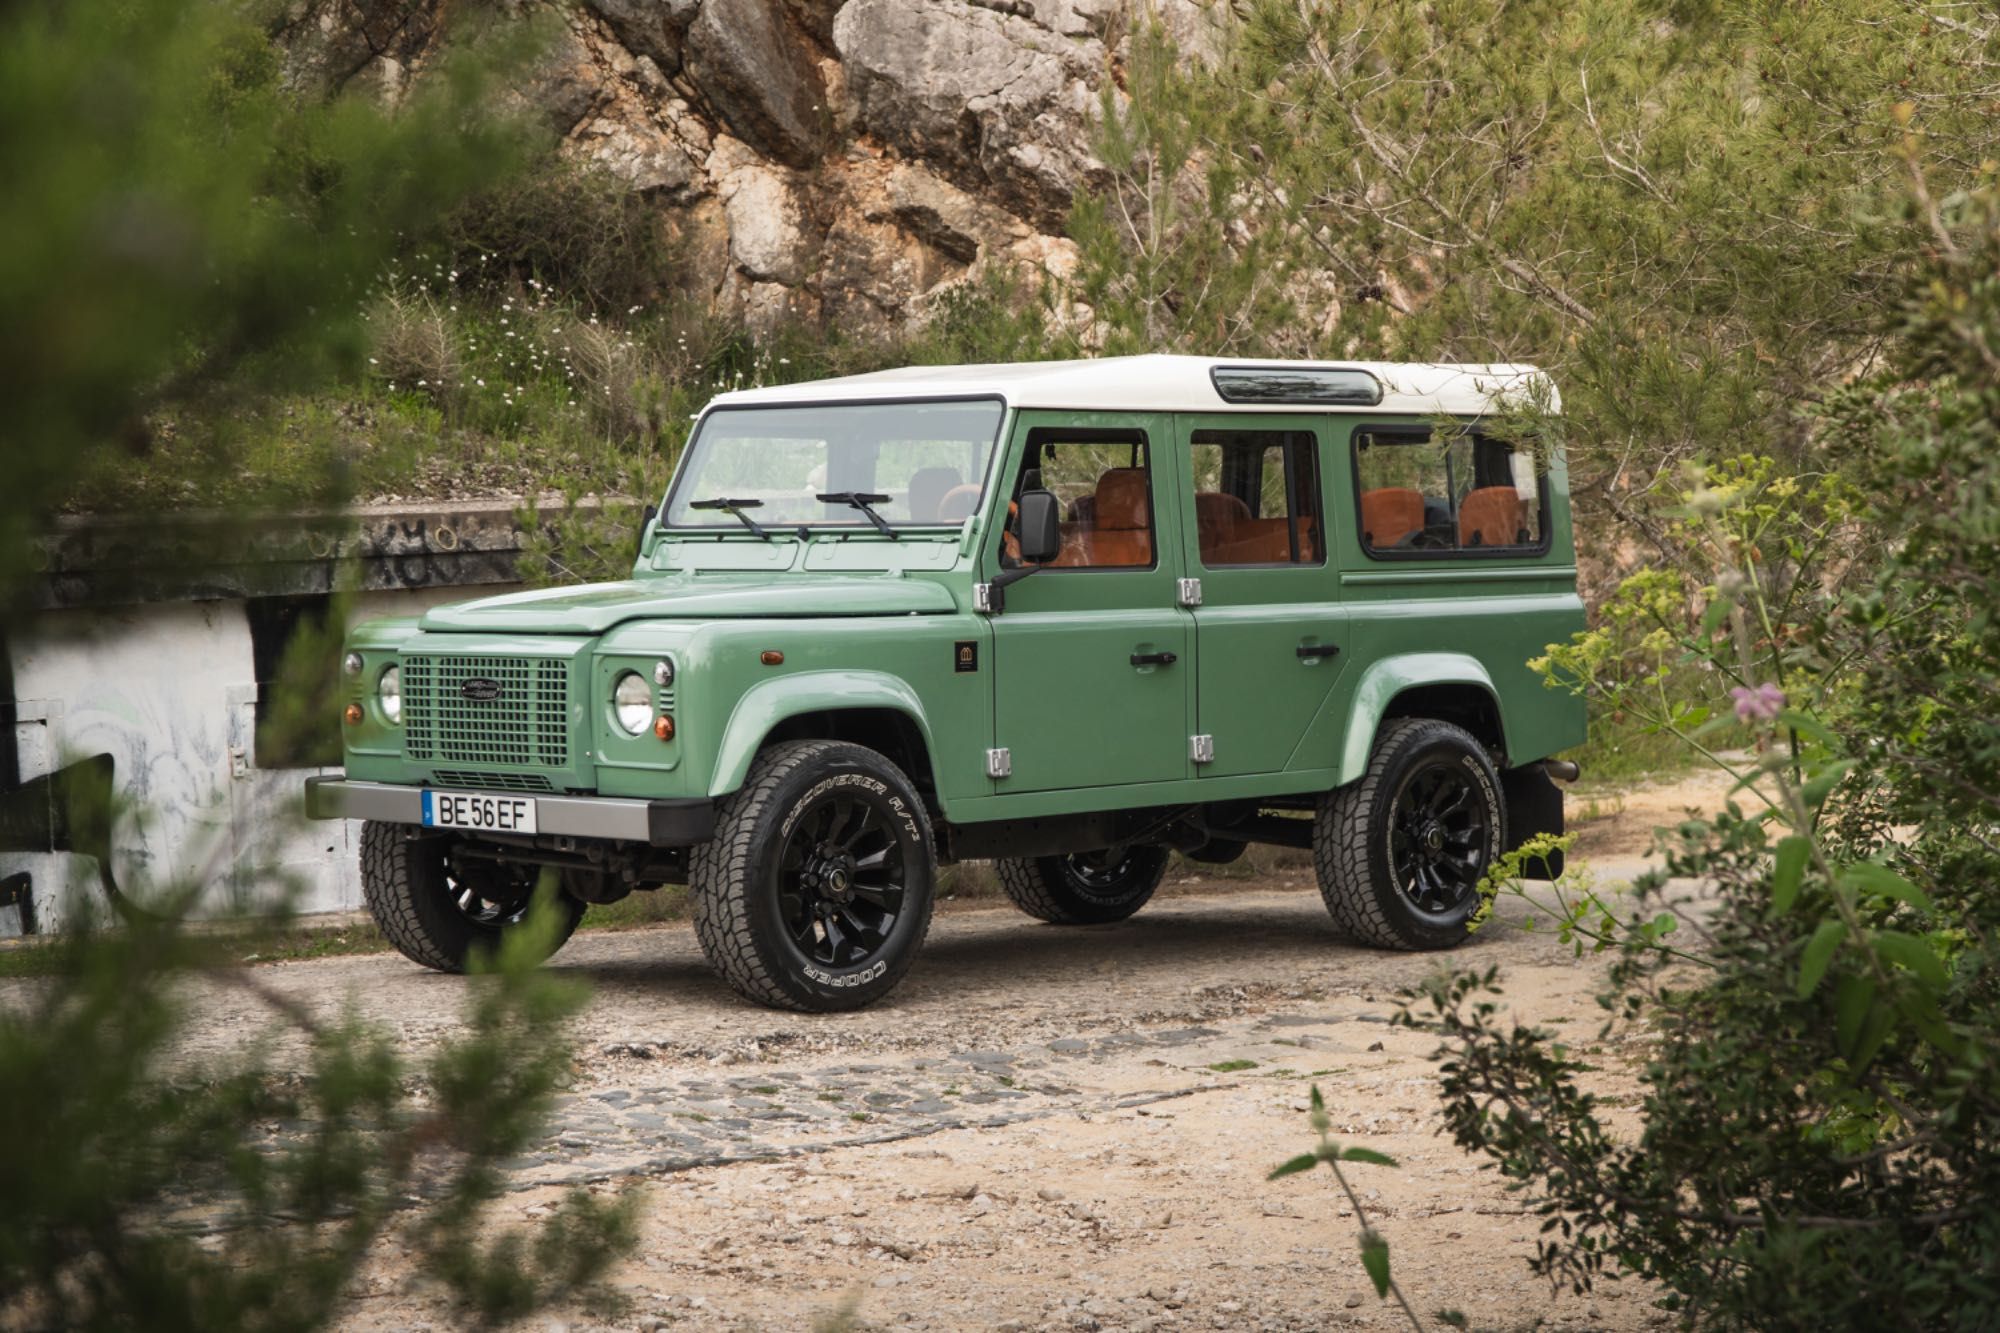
{"type": "Point", "coordinates": [147, 1187]}
{"type": "Point", "coordinates": [1822, 1071]}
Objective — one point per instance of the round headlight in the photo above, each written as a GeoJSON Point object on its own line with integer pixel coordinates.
{"type": "Point", "coordinates": [632, 701]}
{"type": "Point", "coordinates": [663, 673]}
{"type": "Point", "coordinates": [351, 664]}
{"type": "Point", "coordinates": [389, 690]}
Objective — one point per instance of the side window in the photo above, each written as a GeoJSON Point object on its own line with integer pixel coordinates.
{"type": "Point", "coordinates": [1427, 492]}
{"type": "Point", "coordinates": [1256, 498]}
{"type": "Point", "coordinates": [1103, 482]}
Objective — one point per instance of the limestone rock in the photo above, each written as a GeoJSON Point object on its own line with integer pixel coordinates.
{"type": "Point", "coordinates": [767, 235]}
{"type": "Point", "coordinates": [650, 28]}
{"type": "Point", "coordinates": [995, 102]}
{"type": "Point", "coordinates": [844, 161]}
{"type": "Point", "coordinates": [753, 68]}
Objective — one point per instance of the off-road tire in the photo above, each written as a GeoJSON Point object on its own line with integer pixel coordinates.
{"type": "Point", "coordinates": [410, 894]}
{"type": "Point", "coordinates": [1048, 888]}
{"type": "Point", "coordinates": [733, 890]}
{"type": "Point", "coordinates": [1352, 828]}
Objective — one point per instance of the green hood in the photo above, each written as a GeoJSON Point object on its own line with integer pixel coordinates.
{"type": "Point", "coordinates": [597, 607]}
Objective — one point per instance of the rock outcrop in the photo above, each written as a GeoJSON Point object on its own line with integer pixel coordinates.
{"type": "Point", "coordinates": [832, 161]}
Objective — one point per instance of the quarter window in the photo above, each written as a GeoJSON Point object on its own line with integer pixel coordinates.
{"type": "Point", "coordinates": [1426, 492]}
{"type": "Point", "coordinates": [1256, 498]}
{"type": "Point", "coordinates": [1103, 482]}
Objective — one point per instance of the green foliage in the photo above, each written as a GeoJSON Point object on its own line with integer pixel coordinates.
{"type": "Point", "coordinates": [1823, 1062]}
{"type": "Point", "coordinates": [1167, 265]}
{"type": "Point", "coordinates": [1686, 212]}
{"type": "Point", "coordinates": [147, 1186]}
{"type": "Point", "coordinates": [186, 226]}
{"type": "Point", "coordinates": [1374, 1246]}
{"type": "Point", "coordinates": [566, 227]}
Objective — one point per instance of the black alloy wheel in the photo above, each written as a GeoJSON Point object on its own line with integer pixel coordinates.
{"type": "Point", "coordinates": [1437, 838]}
{"type": "Point", "coordinates": [815, 892]}
{"type": "Point", "coordinates": [441, 909]}
{"type": "Point", "coordinates": [840, 881]}
{"type": "Point", "coordinates": [1401, 852]}
{"type": "Point", "coordinates": [1084, 888]}
{"type": "Point", "coordinates": [490, 893]}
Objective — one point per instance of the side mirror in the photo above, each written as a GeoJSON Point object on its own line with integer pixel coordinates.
{"type": "Point", "coordinates": [646, 518]}
{"type": "Point", "coordinates": [1041, 528]}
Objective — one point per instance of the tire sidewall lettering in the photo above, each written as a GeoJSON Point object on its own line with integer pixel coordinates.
{"type": "Point", "coordinates": [905, 818]}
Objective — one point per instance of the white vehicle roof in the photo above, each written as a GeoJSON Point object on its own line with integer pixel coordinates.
{"type": "Point", "coordinates": [1159, 383]}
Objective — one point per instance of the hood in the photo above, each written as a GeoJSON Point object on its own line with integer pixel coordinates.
{"type": "Point", "coordinates": [595, 608]}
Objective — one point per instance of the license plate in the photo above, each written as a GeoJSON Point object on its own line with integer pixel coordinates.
{"type": "Point", "coordinates": [479, 812]}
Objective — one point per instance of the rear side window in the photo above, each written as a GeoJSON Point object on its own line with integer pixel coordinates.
{"type": "Point", "coordinates": [1425, 492]}
{"type": "Point", "coordinates": [1256, 498]}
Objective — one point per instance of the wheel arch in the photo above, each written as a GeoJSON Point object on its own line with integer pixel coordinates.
{"type": "Point", "coordinates": [1454, 687]}
{"type": "Point", "coordinates": [870, 708]}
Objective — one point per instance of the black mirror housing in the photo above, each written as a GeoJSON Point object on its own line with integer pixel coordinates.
{"type": "Point", "coordinates": [1041, 528]}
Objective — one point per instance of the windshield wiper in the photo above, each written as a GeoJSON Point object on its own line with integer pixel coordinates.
{"type": "Point", "coordinates": [862, 500]}
{"type": "Point", "coordinates": [735, 508]}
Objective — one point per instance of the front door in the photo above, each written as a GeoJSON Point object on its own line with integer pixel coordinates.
{"type": "Point", "coordinates": [1093, 657]}
{"type": "Point", "coordinates": [1270, 633]}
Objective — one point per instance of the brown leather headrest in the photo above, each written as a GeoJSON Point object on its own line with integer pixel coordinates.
{"type": "Point", "coordinates": [1121, 500]}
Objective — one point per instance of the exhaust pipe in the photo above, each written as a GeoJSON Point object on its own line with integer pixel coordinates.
{"type": "Point", "coordinates": [1562, 770]}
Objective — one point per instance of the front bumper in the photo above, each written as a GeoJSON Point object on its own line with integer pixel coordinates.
{"type": "Point", "coordinates": [660, 823]}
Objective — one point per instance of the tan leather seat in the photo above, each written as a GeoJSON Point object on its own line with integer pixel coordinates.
{"type": "Point", "coordinates": [1389, 514]}
{"type": "Point", "coordinates": [1492, 516]}
{"type": "Point", "coordinates": [1217, 517]}
{"type": "Point", "coordinates": [957, 504]}
{"type": "Point", "coordinates": [1268, 541]}
{"type": "Point", "coordinates": [1120, 532]}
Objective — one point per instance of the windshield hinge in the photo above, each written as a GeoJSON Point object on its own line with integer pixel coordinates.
{"type": "Point", "coordinates": [1190, 592]}
{"type": "Point", "coordinates": [999, 763]}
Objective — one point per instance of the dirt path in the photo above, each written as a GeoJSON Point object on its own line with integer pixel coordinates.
{"type": "Point", "coordinates": [1042, 1129]}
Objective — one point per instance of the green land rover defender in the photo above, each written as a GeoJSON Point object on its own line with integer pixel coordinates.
{"type": "Point", "coordinates": [1070, 617]}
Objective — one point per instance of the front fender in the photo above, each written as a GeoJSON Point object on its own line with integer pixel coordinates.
{"type": "Point", "coordinates": [770, 702]}
{"type": "Point", "coordinates": [1386, 679]}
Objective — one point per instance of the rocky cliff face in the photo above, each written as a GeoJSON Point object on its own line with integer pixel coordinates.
{"type": "Point", "coordinates": [828, 160]}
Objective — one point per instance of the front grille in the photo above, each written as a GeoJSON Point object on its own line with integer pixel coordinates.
{"type": "Point", "coordinates": [484, 780]}
{"type": "Point", "coordinates": [527, 726]}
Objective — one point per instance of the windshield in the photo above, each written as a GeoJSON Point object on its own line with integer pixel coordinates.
{"type": "Point", "coordinates": [911, 463]}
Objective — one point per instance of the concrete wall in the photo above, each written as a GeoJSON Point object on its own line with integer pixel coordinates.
{"type": "Point", "coordinates": [150, 666]}
{"type": "Point", "coordinates": [169, 691]}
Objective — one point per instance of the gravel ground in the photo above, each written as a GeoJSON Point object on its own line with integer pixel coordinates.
{"type": "Point", "coordinates": [1042, 1128]}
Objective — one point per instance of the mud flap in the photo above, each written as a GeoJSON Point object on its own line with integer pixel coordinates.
{"type": "Point", "coordinates": [1534, 806]}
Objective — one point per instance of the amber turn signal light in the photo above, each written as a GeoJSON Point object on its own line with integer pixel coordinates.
{"type": "Point", "coordinates": [771, 657]}
{"type": "Point", "coordinates": [353, 715]}
{"type": "Point", "coordinates": [663, 727]}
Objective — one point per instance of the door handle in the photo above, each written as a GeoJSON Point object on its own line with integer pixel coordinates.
{"type": "Point", "coordinates": [1311, 650]}
{"type": "Point", "coordinates": [1155, 659]}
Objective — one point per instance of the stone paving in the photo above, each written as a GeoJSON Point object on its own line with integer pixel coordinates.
{"type": "Point", "coordinates": [686, 1122]}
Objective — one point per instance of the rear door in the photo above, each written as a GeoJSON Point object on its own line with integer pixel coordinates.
{"type": "Point", "coordinates": [1270, 632]}
{"type": "Point", "coordinates": [1092, 654]}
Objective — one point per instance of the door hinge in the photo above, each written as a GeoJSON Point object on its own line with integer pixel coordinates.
{"type": "Point", "coordinates": [1190, 592]}
{"type": "Point", "coordinates": [1201, 749]}
{"type": "Point", "coordinates": [999, 763]}
{"type": "Point", "coordinates": [983, 599]}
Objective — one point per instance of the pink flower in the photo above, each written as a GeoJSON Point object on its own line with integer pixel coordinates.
{"type": "Point", "coordinates": [1758, 704]}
